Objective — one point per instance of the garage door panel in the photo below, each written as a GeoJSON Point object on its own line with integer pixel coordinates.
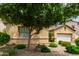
{"type": "Point", "coordinates": [64, 37]}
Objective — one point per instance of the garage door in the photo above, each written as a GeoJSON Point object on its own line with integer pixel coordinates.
{"type": "Point", "coordinates": [64, 37]}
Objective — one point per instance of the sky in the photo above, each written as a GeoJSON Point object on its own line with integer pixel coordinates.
{"type": "Point", "coordinates": [77, 19]}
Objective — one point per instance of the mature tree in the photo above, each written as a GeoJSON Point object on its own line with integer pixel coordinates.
{"type": "Point", "coordinates": [35, 16]}
{"type": "Point", "coordinates": [64, 12]}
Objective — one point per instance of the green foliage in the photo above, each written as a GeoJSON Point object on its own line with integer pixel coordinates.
{"type": "Point", "coordinates": [37, 16]}
{"type": "Point", "coordinates": [64, 43]}
{"type": "Point", "coordinates": [77, 41]}
{"type": "Point", "coordinates": [44, 49]}
{"type": "Point", "coordinates": [29, 15]}
{"type": "Point", "coordinates": [12, 52]}
{"type": "Point", "coordinates": [53, 44]}
{"type": "Point", "coordinates": [60, 42]}
{"type": "Point", "coordinates": [4, 38]}
{"type": "Point", "coordinates": [38, 46]}
{"type": "Point", "coordinates": [20, 46]}
{"type": "Point", "coordinates": [72, 49]}
{"type": "Point", "coordinates": [50, 37]}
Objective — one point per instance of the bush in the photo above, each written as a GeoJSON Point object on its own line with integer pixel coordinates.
{"type": "Point", "coordinates": [38, 46]}
{"type": "Point", "coordinates": [44, 49]}
{"type": "Point", "coordinates": [12, 52]}
{"type": "Point", "coordinates": [20, 46]}
{"type": "Point", "coordinates": [9, 52]}
{"type": "Point", "coordinates": [50, 37]}
{"type": "Point", "coordinates": [72, 49]}
{"type": "Point", "coordinates": [77, 41]}
{"type": "Point", "coordinates": [53, 44]}
{"type": "Point", "coordinates": [60, 42]}
{"type": "Point", "coordinates": [64, 43]}
{"type": "Point", "coordinates": [4, 38]}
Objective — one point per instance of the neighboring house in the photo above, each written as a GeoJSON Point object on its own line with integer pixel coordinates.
{"type": "Point", "coordinates": [20, 34]}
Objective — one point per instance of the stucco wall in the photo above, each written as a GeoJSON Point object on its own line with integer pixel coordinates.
{"type": "Point", "coordinates": [42, 37]}
{"type": "Point", "coordinates": [25, 41]}
{"type": "Point", "coordinates": [13, 31]}
{"type": "Point", "coordinates": [65, 31]}
{"type": "Point", "coordinates": [2, 27]}
{"type": "Point", "coordinates": [43, 33]}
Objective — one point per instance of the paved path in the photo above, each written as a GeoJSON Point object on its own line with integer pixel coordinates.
{"type": "Point", "coordinates": [60, 51]}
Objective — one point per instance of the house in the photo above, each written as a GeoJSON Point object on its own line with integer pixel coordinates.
{"type": "Point", "coordinates": [19, 34]}
{"type": "Point", "coordinates": [63, 33]}
{"type": "Point", "coordinates": [74, 25]}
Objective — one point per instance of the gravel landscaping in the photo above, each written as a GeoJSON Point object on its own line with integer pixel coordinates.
{"type": "Point", "coordinates": [59, 51]}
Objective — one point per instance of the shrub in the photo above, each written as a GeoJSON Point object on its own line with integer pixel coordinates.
{"type": "Point", "coordinates": [60, 42]}
{"type": "Point", "coordinates": [20, 46]}
{"type": "Point", "coordinates": [72, 49]}
{"type": "Point", "coordinates": [38, 46]}
{"type": "Point", "coordinates": [4, 38]}
{"type": "Point", "coordinates": [12, 52]}
{"type": "Point", "coordinates": [50, 37]}
{"type": "Point", "coordinates": [44, 49]}
{"type": "Point", "coordinates": [64, 43]}
{"type": "Point", "coordinates": [77, 41]}
{"type": "Point", "coordinates": [53, 44]}
{"type": "Point", "coordinates": [5, 54]}
{"type": "Point", "coordinates": [9, 52]}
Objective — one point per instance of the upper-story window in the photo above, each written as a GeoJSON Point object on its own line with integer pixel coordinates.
{"type": "Point", "coordinates": [23, 32]}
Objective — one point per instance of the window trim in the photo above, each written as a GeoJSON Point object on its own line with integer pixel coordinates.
{"type": "Point", "coordinates": [19, 32]}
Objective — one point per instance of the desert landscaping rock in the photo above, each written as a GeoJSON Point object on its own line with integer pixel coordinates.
{"type": "Point", "coordinates": [59, 51]}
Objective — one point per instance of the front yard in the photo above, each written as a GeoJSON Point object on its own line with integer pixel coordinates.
{"type": "Point", "coordinates": [61, 48]}
{"type": "Point", "coordinates": [58, 51]}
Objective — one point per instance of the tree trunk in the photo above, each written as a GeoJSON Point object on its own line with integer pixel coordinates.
{"type": "Point", "coordinates": [29, 38]}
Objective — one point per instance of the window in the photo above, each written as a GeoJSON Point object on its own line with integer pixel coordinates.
{"type": "Point", "coordinates": [23, 32]}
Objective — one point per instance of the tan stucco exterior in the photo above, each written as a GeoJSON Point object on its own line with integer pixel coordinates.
{"type": "Point", "coordinates": [25, 41]}
{"type": "Point", "coordinates": [64, 30]}
{"type": "Point", "coordinates": [42, 37]}
{"type": "Point", "coordinates": [14, 33]}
